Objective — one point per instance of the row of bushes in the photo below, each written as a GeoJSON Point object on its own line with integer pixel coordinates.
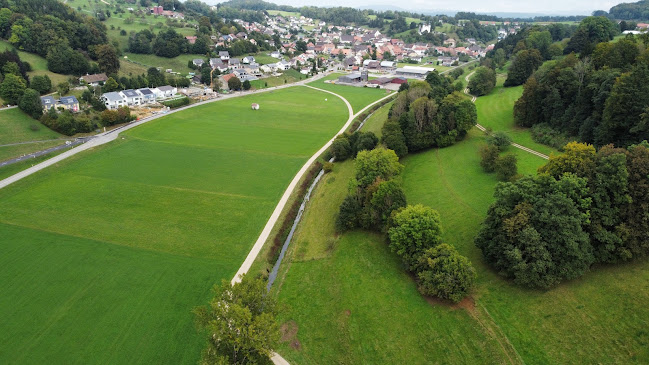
{"type": "Point", "coordinates": [287, 221]}
{"type": "Point", "coordinates": [176, 103]}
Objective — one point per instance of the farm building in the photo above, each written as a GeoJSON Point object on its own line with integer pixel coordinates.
{"type": "Point", "coordinates": [353, 77]}
{"type": "Point", "coordinates": [414, 72]}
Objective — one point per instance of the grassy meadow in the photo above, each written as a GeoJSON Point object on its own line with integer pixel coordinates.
{"type": "Point", "coordinates": [105, 254]}
{"type": "Point", "coordinates": [349, 300]}
{"type": "Point", "coordinates": [16, 127]}
{"type": "Point", "coordinates": [358, 97]}
{"type": "Point", "coordinates": [496, 111]}
{"type": "Point", "coordinates": [38, 63]}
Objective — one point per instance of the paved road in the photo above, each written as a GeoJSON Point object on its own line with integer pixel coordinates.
{"type": "Point", "coordinates": [529, 150]}
{"type": "Point", "coordinates": [28, 156]}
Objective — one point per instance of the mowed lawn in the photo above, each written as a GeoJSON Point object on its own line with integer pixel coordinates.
{"type": "Point", "coordinates": [358, 97]}
{"type": "Point", "coordinates": [496, 111]}
{"type": "Point", "coordinates": [103, 256]}
{"type": "Point", "coordinates": [15, 127]}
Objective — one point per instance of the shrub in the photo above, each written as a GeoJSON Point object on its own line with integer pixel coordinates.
{"type": "Point", "coordinates": [445, 273]}
{"type": "Point", "coordinates": [176, 103]}
{"type": "Point", "coordinates": [500, 140]}
{"type": "Point", "coordinates": [506, 168]}
{"type": "Point", "coordinates": [349, 213]}
{"type": "Point", "coordinates": [544, 134]}
{"type": "Point", "coordinates": [392, 137]}
{"type": "Point", "coordinates": [414, 230]}
{"type": "Point", "coordinates": [488, 157]}
{"type": "Point", "coordinates": [328, 167]}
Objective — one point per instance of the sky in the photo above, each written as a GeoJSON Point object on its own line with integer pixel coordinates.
{"type": "Point", "coordinates": [563, 7]}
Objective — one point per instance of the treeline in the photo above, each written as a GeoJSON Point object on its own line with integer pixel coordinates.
{"type": "Point", "coordinates": [599, 99]}
{"type": "Point", "coordinates": [55, 31]}
{"type": "Point", "coordinates": [493, 18]}
{"type": "Point", "coordinates": [428, 114]}
{"type": "Point", "coordinates": [585, 207]}
{"type": "Point", "coordinates": [167, 43]}
{"type": "Point", "coordinates": [629, 11]}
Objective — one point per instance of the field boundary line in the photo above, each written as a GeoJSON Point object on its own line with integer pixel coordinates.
{"type": "Point", "coordinates": [483, 129]}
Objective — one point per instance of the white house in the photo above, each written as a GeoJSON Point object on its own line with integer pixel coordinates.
{"type": "Point", "coordinates": [248, 60]}
{"type": "Point", "coordinates": [283, 65]}
{"type": "Point", "coordinates": [113, 100]}
{"type": "Point", "coordinates": [224, 55]}
{"type": "Point", "coordinates": [276, 54]}
{"type": "Point", "coordinates": [163, 92]}
{"type": "Point", "coordinates": [131, 97]}
{"type": "Point", "coordinates": [147, 95]}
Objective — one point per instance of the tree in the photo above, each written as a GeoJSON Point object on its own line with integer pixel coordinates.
{"type": "Point", "coordinates": [42, 84]}
{"type": "Point", "coordinates": [30, 103]}
{"type": "Point", "coordinates": [12, 89]}
{"type": "Point", "coordinates": [239, 324]}
{"type": "Point", "coordinates": [246, 85]}
{"type": "Point", "coordinates": [445, 273]}
{"type": "Point", "coordinates": [591, 30]}
{"type": "Point", "coordinates": [535, 231]}
{"type": "Point", "coordinates": [107, 59]}
{"type": "Point", "coordinates": [341, 149]}
{"type": "Point", "coordinates": [378, 163]}
{"type": "Point", "coordinates": [361, 141]}
{"type": "Point", "coordinates": [499, 139]}
{"type": "Point", "coordinates": [392, 137]}
{"type": "Point", "coordinates": [63, 88]}
{"type": "Point", "coordinates": [234, 83]}
{"type": "Point", "coordinates": [488, 157]}
{"type": "Point", "coordinates": [349, 213]}
{"type": "Point", "coordinates": [110, 85]}
{"type": "Point", "coordinates": [483, 81]}
{"type": "Point", "coordinates": [506, 168]}
{"type": "Point", "coordinates": [578, 158]}
{"type": "Point", "coordinates": [155, 77]}
{"type": "Point", "coordinates": [387, 198]}
{"type": "Point", "coordinates": [414, 230]}
{"type": "Point", "coordinates": [523, 66]}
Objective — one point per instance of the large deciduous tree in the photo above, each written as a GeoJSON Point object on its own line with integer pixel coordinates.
{"type": "Point", "coordinates": [414, 230]}
{"type": "Point", "coordinates": [107, 59]}
{"type": "Point", "coordinates": [12, 88]}
{"type": "Point", "coordinates": [445, 273]}
{"type": "Point", "coordinates": [483, 81]}
{"type": "Point", "coordinates": [523, 66]}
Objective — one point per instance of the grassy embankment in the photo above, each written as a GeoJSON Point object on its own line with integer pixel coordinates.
{"type": "Point", "coordinates": [16, 127]}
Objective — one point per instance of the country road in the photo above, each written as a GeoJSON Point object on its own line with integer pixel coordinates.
{"type": "Point", "coordinates": [474, 98]}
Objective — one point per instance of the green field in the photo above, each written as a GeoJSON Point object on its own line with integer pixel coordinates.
{"type": "Point", "coordinates": [283, 13]}
{"type": "Point", "coordinates": [349, 300]}
{"type": "Point", "coordinates": [358, 97]}
{"type": "Point", "coordinates": [15, 128]}
{"type": "Point", "coordinates": [38, 63]}
{"type": "Point", "coordinates": [105, 254]}
{"type": "Point", "coordinates": [177, 64]}
{"type": "Point", "coordinates": [495, 111]}
{"type": "Point", "coordinates": [287, 77]}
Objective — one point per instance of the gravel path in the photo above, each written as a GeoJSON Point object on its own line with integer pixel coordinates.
{"type": "Point", "coordinates": [529, 150]}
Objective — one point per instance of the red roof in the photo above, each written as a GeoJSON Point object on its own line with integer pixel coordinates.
{"type": "Point", "coordinates": [399, 80]}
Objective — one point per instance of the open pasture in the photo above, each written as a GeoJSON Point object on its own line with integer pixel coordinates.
{"type": "Point", "coordinates": [358, 97]}
{"type": "Point", "coordinates": [104, 255]}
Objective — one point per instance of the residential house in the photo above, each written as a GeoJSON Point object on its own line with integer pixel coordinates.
{"type": "Point", "coordinates": [69, 103]}
{"type": "Point", "coordinates": [242, 35]}
{"type": "Point", "coordinates": [147, 95]}
{"type": "Point", "coordinates": [276, 54]}
{"type": "Point", "coordinates": [113, 100]}
{"type": "Point", "coordinates": [248, 60]}
{"type": "Point", "coordinates": [217, 64]}
{"type": "Point", "coordinates": [283, 65]}
{"type": "Point", "coordinates": [163, 92]}
{"type": "Point", "coordinates": [94, 80]}
{"type": "Point", "coordinates": [198, 62]}
{"type": "Point", "coordinates": [224, 55]}
{"type": "Point", "coordinates": [234, 63]}
{"type": "Point", "coordinates": [225, 79]}
{"type": "Point", "coordinates": [132, 97]}
{"type": "Point", "coordinates": [48, 102]}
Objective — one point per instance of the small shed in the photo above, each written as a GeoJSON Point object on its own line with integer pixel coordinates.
{"type": "Point", "coordinates": [255, 106]}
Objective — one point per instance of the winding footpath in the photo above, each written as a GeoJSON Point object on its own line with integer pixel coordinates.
{"type": "Point", "coordinates": [474, 98]}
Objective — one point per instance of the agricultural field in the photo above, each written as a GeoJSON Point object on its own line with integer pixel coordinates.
{"type": "Point", "coordinates": [106, 254]}
{"type": "Point", "coordinates": [496, 111]}
{"type": "Point", "coordinates": [16, 127]}
{"type": "Point", "coordinates": [283, 13]}
{"type": "Point", "coordinates": [177, 64]}
{"type": "Point", "coordinates": [38, 63]}
{"type": "Point", "coordinates": [287, 77]}
{"type": "Point", "coordinates": [358, 97]}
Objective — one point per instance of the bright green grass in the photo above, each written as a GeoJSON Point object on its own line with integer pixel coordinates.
{"type": "Point", "coordinates": [177, 64]}
{"type": "Point", "coordinates": [596, 319]}
{"type": "Point", "coordinates": [496, 111]}
{"type": "Point", "coordinates": [14, 128]}
{"type": "Point", "coordinates": [38, 63]}
{"type": "Point", "coordinates": [287, 77]}
{"type": "Point", "coordinates": [283, 13]}
{"type": "Point", "coordinates": [376, 121]}
{"type": "Point", "coordinates": [110, 249]}
{"type": "Point", "coordinates": [353, 302]}
{"type": "Point", "coordinates": [131, 69]}
{"type": "Point", "coordinates": [358, 97]}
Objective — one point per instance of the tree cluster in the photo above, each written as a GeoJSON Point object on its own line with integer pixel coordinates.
{"type": "Point", "coordinates": [167, 43]}
{"type": "Point", "coordinates": [630, 11]}
{"type": "Point", "coordinates": [348, 145]}
{"type": "Point", "coordinates": [428, 114]}
{"type": "Point", "coordinates": [585, 207]}
{"type": "Point", "coordinates": [483, 81]}
{"type": "Point", "coordinates": [599, 99]}
{"type": "Point", "coordinates": [239, 324]}
{"type": "Point", "coordinates": [415, 234]}
{"type": "Point", "coordinates": [374, 193]}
